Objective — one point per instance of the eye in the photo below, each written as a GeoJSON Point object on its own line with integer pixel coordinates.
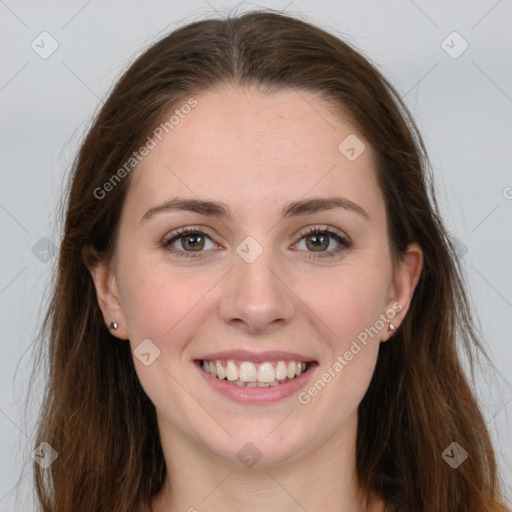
{"type": "Point", "coordinates": [186, 241]}
{"type": "Point", "coordinates": [319, 240]}
{"type": "Point", "coordinates": [190, 242]}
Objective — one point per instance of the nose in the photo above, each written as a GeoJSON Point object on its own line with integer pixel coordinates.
{"type": "Point", "coordinates": [256, 297]}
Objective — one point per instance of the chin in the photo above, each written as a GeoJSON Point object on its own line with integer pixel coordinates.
{"type": "Point", "coordinates": [258, 443]}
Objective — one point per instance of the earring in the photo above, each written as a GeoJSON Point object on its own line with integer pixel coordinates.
{"type": "Point", "coordinates": [113, 326]}
{"type": "Point", "coordinates": [391, 328]}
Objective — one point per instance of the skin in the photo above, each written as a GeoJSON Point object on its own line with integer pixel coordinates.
{"type": "Point", "coordinates": [255, 152]}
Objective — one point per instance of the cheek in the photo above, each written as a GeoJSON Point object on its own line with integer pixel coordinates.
{"type": "Point", "coordinates": [347, 302]}
{"type": "Point", "coordinates": [349, 308]}
{"type": "Point", "coordinates": [161, 303]}
{"type": "Point", "coordinates": [147, 303]}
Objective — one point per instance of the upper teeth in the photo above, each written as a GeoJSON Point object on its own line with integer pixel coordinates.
{"type": "Point", "coordinates": [267, 372]}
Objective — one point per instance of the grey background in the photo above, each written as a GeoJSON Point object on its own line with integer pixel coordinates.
{"type": "Point", "coordinates": [463, 106]}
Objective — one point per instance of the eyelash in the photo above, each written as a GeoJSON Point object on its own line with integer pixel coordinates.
{"type": "Point", "coordinates": [344, 242]}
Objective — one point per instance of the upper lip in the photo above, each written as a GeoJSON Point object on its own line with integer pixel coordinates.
{"type": "Point", "coordinates": [259, 357]}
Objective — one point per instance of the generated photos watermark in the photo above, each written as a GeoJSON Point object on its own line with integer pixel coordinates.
{"type": "Point", "coordinates": [304, 397]}
{"type": "Point", "coordinates": [137, 156]}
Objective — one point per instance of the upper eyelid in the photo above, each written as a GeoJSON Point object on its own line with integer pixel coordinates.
{"type": "Point", "coordinates": [183, 231]}
{"type": "Point", "coordinates": [323, 228]}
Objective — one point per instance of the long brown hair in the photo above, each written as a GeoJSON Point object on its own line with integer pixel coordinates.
{"type": "Point", "coordinates": [95, 413]}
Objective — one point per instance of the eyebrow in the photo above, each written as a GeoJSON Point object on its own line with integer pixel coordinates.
{"type": "Point", "coordinates": [222, 210]}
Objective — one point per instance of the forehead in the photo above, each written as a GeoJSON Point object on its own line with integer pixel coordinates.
{"type": "Point", "coordinates": [253, 149]}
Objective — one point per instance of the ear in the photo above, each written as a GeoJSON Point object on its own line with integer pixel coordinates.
{"type": "Point", "coordinates": [406, 277]}
{"type": "Point", "coordinates": [107, 292]}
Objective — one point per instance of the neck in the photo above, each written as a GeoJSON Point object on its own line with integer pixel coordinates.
{"type": "Point", "coordinates": [323, 478]}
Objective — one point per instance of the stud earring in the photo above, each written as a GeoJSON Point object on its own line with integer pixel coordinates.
{"type": "Point", "coordinates": [391, 328]}
{"type": "Point", "coordinates": [113, 326]}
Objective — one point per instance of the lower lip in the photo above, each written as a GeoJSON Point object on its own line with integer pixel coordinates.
{"type": "Point", "coordinates": [245, 394]}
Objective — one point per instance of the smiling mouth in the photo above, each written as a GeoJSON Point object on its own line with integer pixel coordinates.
{"type": "Point", "coordinates": [252, 375]}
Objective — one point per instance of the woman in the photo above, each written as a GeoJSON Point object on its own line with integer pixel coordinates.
{"type": "Point", "coordinates": [257, 303]}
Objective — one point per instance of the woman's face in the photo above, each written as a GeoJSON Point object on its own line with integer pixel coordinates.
{"type": "Point", "coordinates": [248, 284]}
